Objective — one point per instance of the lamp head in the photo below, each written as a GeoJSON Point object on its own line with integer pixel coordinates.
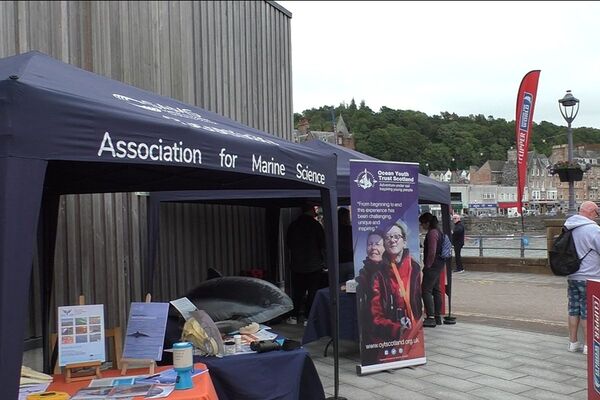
{"type": "Point", "coordinates": [569, 106]}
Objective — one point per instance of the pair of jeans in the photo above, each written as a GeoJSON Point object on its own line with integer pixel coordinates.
{"type": "Point", "coordinates": [430, 286]}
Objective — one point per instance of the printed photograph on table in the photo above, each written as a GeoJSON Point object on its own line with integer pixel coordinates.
{"type": "Point", "coordinates": [385, 232]}
{"type": "Point", "coordinates": [146, 331]}
{"type": "Point", "coordinates": [74, 345]}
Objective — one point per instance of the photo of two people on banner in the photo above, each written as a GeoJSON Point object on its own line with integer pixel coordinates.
{"type": "Point", "coordinates": [390, 287]}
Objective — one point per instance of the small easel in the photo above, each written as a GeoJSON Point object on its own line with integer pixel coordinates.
{"type": "Point", "coordinates": [139, 362]}
{"type": "Point", "coordinates": [85, 370]}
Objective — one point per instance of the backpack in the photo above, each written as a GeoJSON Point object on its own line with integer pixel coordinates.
{"type": "Point", "coordinates": [562, 256]}
{"type": "Point", "coordinates": [446, 250]}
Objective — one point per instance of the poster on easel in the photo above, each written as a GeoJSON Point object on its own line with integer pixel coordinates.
{"type": "Point", "coordinates": [385, 231]}
{"type": "Point", "coordinates": [145, 334]}
{"type": "Point", "coordinates": [81, 334]}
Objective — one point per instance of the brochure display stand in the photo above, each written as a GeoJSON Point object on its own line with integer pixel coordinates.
{"type": "Point", "coordinates": [139, 362]}
{"type": "Point", "coordinates": [82, 371]}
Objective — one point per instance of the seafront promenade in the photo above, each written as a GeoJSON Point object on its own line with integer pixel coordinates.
{"type": "Point", "coordinates": [487, 355]}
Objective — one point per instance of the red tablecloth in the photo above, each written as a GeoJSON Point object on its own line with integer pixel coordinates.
{"type": "Point", "coordinates": [203, 387]}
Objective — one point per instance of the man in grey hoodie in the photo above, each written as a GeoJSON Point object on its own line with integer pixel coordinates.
{"type": "Point", "coordinates": [587, 243]}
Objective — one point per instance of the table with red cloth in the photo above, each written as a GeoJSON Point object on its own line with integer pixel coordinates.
{"type": "Point", "coordinates": [203, 387]}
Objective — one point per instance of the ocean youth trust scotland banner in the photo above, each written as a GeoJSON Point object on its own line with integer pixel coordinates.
{"type": "Point", "coordinates": [385, 231]}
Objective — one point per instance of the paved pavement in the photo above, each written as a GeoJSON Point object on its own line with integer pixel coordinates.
{"type": "Point", "coordinates": [498, 299]}
{"type": "Point", "coordinates": [465, 361]}
{"type": "Point", "coordinates": [468, 361]}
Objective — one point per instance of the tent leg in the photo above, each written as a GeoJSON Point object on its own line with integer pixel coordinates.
{"type": "Point", "coordinates": [46, 248]}
{"type": "Point", "coordinates": [21, 187]}
{"type": "Point", "coordinates": [331, 236]}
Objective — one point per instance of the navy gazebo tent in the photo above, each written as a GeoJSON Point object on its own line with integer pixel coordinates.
{"type": "Point", "coordinates": [64, 130]}
{"type": "Point", "coordinates": [430, 192]}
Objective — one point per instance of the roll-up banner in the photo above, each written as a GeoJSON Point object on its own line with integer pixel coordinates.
{"type": "Point", "coordinates": [523, 120]}
{"type": "Point", "coordinates": [385, 232]}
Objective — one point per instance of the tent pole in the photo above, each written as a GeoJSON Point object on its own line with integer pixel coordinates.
{"type": "Point", "coordinates": [153, 210]}
{"type": "Point", "coordinates": [21, 185]}
{"type": "Point", "coordinates": [46, 249]}
{"type": "Point", "coordinates": [331, 237]}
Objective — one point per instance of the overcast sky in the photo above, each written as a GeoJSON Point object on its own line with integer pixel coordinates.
{"type": "Point", "coordinates": [461, 57]}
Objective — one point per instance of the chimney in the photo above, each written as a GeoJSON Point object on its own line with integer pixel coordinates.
{"type": "Point", "coordinates": [303, 126]}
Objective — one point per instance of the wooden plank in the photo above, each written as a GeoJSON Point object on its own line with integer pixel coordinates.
{"type": "Point", "coordinates": [115, 40]}
{"type": "Point", "coordinates": [108, 278]}
{"type": "Point", "coordinates": [166, 52]}
{"type": "Point", "coordinates": [188, 70]}
{"type": "Point", "coordinates": [135, 221]}
{"type": "Point", "coordinates": [8, 28]}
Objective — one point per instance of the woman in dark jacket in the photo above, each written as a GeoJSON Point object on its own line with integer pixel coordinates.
{"type": "Point", "coordinates": [433, 264]}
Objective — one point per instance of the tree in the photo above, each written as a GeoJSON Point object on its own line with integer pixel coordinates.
{"type": "Point", "coordinates": [408, 135]}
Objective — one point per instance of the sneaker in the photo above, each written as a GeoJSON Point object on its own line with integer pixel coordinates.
{"type": "Point", "coordinates": [291, 321]}
{"type": "Point", "coordinates": [438, 320]}
{"type": "Point", "coordinates": [429, 322]}
{"type": "Point", "coordinates": [575, 347]}
{"type": "Point", "coordinates": [585, 349]}
{"type": "Point", "coordinates": [459, 271]}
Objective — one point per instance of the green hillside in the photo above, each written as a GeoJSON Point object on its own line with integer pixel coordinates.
{"type": "Point", "coordinates": [406, 135]}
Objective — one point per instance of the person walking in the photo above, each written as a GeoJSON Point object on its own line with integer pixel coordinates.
{"type": "Point", "coordinates": [433, 264]}
{"type": "Point", "coordinates": [305, 240]}
{"type": "Point", "coordinates": [586, 236]}
{"type": "Point", "coordinates": [458, 241]}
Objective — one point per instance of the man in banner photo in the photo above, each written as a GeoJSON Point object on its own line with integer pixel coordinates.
{"type": "Point", "coordinates": [384, 202]}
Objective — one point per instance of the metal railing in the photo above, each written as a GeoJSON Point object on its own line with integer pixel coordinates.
{"type": "Point", "coordinates": [505, 246]}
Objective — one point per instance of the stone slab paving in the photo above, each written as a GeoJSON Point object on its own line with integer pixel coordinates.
{"type": "Point", "coordinates": [464, 361]}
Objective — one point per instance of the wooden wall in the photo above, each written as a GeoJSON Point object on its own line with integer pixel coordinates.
{"type": "Point", "coordinates": [230, 57]}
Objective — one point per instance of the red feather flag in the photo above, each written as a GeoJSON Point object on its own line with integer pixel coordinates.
{"type": "Point", "coordinates": [523, 120]}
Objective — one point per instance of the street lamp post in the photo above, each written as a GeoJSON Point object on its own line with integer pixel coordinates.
{"type": "Point", "coordinates": [569, 107]}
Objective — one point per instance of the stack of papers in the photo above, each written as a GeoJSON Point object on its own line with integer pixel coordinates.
{"type": "Point", "coordinates": [168, 376]}
{"type": "Point", "coordinates": [149, 391]}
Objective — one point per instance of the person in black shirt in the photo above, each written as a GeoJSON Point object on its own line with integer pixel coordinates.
{"type": "Point", "coordinates": [458, 241]}
{"type": "Point", "coordinates": [305, 240]}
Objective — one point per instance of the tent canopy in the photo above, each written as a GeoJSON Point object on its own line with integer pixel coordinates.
{"type": "Point", "coordinates": [76, 116]}
{"type": "Point", "coordinates": [430, 190]}
{"type": "Point", "coordinates": [65, 130]}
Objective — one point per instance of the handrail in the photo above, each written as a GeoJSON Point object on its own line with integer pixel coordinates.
{"type": "Point", "coordinates": [523, 243]}
{"type": "Point", "coordinates": [478, 242]}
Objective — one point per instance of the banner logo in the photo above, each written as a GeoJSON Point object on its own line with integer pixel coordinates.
{"type": "Point", "coordinates": [365, 180]}
{"type": "Point", "coordinates": [189, 118]}
{"type": "Point", "coordinates": [525, 110]}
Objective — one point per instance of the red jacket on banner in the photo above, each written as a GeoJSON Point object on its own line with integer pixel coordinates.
{"type": "Point", "coordinates": [523, 120]}
{"type": "Point", "coordinates": [389, 293]}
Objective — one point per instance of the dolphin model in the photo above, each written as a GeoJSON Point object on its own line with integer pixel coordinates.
{"type": "Point", "coordinates": [236, 301]}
